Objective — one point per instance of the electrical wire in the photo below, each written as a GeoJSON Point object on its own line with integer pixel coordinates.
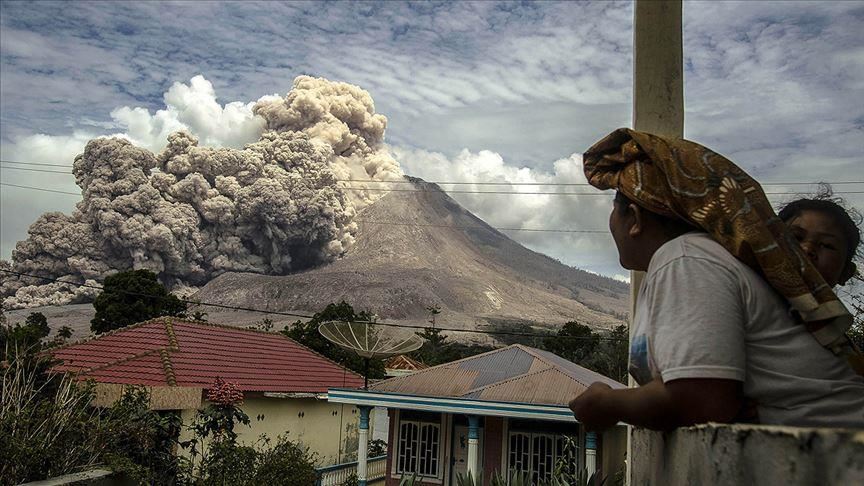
{"type": "Point", "coordinates": [475, 183]}
{"type": "Point", "coordinates": [40, 189]}
{"type": "Point", "coordinates": [511, 193]}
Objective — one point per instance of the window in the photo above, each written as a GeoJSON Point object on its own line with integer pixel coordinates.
{"type": "Point", "coordinates": [538, 453]}
{"type": "Point", "coordinates": [418, 448]}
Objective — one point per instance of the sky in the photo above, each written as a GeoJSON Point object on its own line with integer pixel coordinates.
{"type": "Point", "coordinates": [473, 92]}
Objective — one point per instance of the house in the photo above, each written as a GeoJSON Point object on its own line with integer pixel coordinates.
{"type": "Point", "coordinates": [284, 383]}
{"type": "Point", "coordinates": [401, 365]}
{"type": "Point", "coordinates": [500, 411]}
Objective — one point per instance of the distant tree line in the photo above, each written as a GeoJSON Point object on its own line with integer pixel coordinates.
{"type": "Point", "coordinates": [603, 352]}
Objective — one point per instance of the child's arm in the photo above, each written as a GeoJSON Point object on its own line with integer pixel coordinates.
{"type": "Point", "coordinates": [659, 406]}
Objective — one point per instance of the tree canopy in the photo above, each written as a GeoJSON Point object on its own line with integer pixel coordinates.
{"type": "Point", "coordinates": [306, 333]}
{"type": "Point", "coordinates": [131, 297]}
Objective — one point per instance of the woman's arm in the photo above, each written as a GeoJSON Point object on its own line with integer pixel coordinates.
{"type": "Point", "coordinates": [658, 405]}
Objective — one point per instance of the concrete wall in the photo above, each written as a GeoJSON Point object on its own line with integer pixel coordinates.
{"type": "Point", "coordinates": [745, 454]}
{"type": "Point", "coordinates": [314, 423]}
{"type": "Point", "coordinates": [613, 449]}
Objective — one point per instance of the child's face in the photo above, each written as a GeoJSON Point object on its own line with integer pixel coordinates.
{"type": "Point", "coordinates": [823, 241]}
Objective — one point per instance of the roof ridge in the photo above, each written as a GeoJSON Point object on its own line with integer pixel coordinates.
{"type": "Point", "coordinates": [517, 377]}
{"type": "Point", "coordinates": [123, 360]}
{"type": "Point", "coordinates": [167, 367]}
{"type": "Point", "coordinates": [444, 365]}
{"type": "Point", "coordinates": [533, 352]}
{"type": "Point", "coordinates": [172, 336]}
{"type": "Point", "coordinates": [524, 375]}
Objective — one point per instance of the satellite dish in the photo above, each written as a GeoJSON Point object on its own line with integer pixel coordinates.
{"type": "Point", "coordinates": [370, 341]}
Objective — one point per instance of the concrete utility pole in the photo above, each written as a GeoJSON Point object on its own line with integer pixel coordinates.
{"type": "Point", "coordinates": [658, 92]}
{"type": "Point", "coordinates": [658, 80]}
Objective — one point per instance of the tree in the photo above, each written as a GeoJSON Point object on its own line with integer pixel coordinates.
{"type": "Point", "coordinates": [611, 354]}
{"type": "Point", "coordinates": [64, 332]}
{"type": "Point", "coordinates": [39, 323]}
{"type": "Point", "coordinates": [131, 297]}
{"type": "Point", "coordinates": [26, 338]}
{"type": "Point", "coordinates": [306, 333]}
{"type": "Point", "coordinates": [574, 342]}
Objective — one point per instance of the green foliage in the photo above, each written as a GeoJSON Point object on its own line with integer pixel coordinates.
{"type": "Point", "coordinates": [285, 463]}
{"type": "Point", "coordinates": [578, 345]}
{"type": "Point", "coordinates": [48, 428]}
{"type": "Point", "coordinates": [306, 333]}
{"type": "Point", "coordinates": [39, 323]}
{"type": "Point", "coordinates": [217, 458]}
{"type": "Point", "coordinates": [498, 479]}
{"type": "Point", "coordinates": [437, 349]}
{"type": "Point", "coordinates": [377, 448]}
{"type": "Point", "coordinates": [139, 442]}
{"type": "Point", "coordinates": [611, 354]}
{"type": "Point", "coordinates": [64, 333]}
{"type": "Point", "coordinates": [408, 480]}
{"type": "Point", "coordinates": [517, 478]}
{"type": "Point", "coordinates": [131, 297]}
{"type": "Point", "coordinates": [24, 338]}
{"type": "Point", "coordinates": [351, 480]}
{"type": "Point", "coordinates": [605, 353]}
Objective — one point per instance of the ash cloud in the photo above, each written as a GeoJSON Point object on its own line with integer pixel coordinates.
{"type": "Point", "coordinates": [190, 213]}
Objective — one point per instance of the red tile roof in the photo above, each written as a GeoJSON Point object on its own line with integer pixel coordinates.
{"type": "Point", "coordinates": [176, 352]}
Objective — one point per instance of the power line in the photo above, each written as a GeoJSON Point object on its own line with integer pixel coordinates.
{"type": "Point", "coordinates": [452, 192]}
{"type": "Point", "coordinates": [486, 183]}
{"type": "Point", "coordinates": [36, 170]}
{"type": "Point", "coordinates": [476, 183]}
{"type": "Point", "coordinates": [515, 193]}
{"type": "Point", "coordinates": [304, 316]}
{"type": "Point", "coordinates": [391, 223]}
{"type": "Point", "coordinates": [35, 163]}
{"type": "Point", "coordinates": [40, 189]}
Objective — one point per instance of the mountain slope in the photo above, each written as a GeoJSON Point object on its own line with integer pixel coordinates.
{"type": "Point", "coordinates": [434, 252]}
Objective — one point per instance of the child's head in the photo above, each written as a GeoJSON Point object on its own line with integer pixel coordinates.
{"type": "Point", "coordinates": [827, 233]}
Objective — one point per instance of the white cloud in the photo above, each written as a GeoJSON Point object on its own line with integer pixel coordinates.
{"type": "Point", "coordinates": [593, 251]}
{"type": "Point", "coordinates": [191, 107]}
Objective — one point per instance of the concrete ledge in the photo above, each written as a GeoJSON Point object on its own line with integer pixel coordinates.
{"type": "Point", "coordinates": [715, 454]}
{"type": "Point", "coordinates": [94, 477]}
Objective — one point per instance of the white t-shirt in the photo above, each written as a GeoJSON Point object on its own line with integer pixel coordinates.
{"type": "Point", "coordinates": [701, 313]}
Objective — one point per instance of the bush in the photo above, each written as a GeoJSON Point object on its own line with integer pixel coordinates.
{"type": "Point", "coordinates": [217, 458]}
{"type": "Point", "coordinates": [48, 428]}
{"type": "Point", "coordinates": [286, 463]}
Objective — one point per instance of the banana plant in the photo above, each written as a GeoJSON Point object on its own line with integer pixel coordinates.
{"type": "Point", "coordinates": [408, 480]}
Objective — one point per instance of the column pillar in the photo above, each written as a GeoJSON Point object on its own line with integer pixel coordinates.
{"type": "Point", "coordinates": [591, 453]}
{"type": "Point", "coordinates": [473, 445]}
{"type": "Point", "coordinates": [363, 447]}
{"type": "Point", "coordinates": [658, 97]}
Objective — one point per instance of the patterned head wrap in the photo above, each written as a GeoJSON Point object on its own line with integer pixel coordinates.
{"type": "Point", "coordinates": [680, 179]}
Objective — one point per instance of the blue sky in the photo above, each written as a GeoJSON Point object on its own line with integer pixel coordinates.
{"type": "Point", "coordinates": [481, 91]}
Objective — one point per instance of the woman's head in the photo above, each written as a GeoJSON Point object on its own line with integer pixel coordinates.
{"type": "Point", "coordinates": [827, 234]}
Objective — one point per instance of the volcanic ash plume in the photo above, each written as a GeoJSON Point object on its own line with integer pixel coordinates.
{"type": "Point", "coordinates": [191, 213]}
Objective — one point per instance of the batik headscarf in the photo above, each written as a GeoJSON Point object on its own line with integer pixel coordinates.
{"type": "Point", "coordinates": [680, 179]}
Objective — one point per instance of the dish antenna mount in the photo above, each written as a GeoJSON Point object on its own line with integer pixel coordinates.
{"type": "Point", "coordinates": [370, 341]}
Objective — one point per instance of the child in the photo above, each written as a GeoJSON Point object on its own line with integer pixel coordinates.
{"type": "Point", "coordinates": [827, 233]}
